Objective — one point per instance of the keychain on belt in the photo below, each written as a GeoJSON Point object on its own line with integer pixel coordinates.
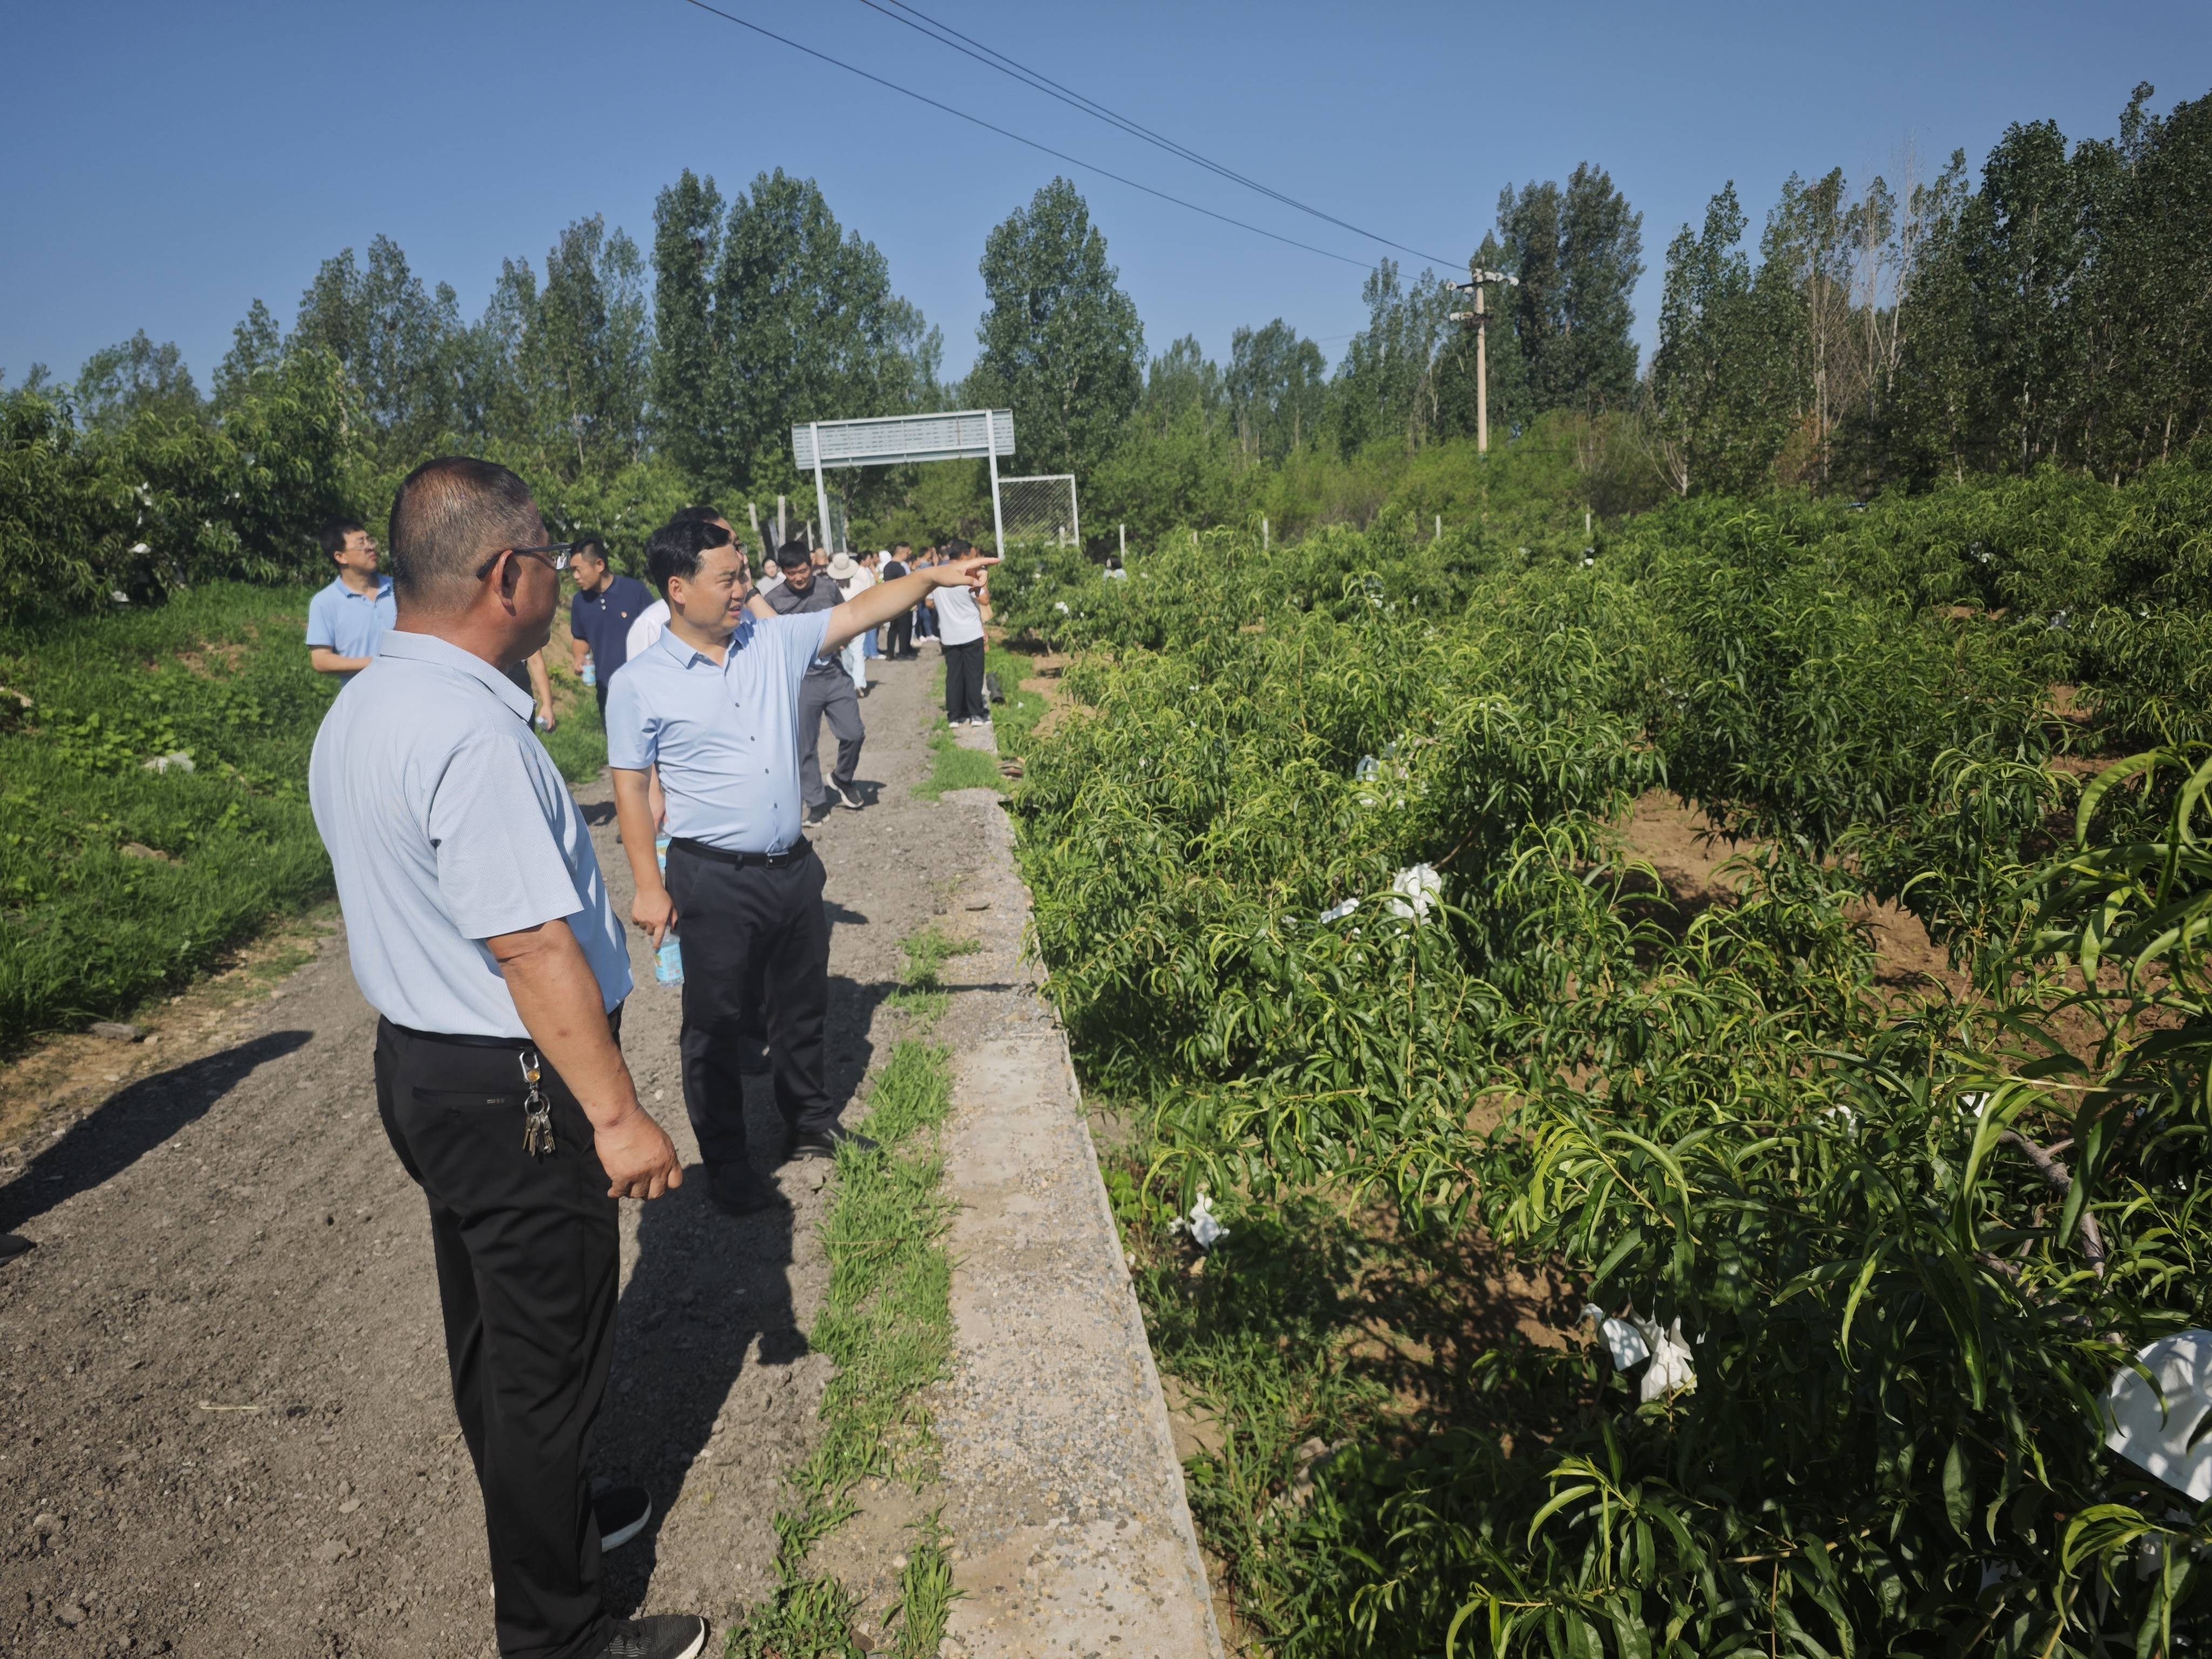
{"type": "Point", "coordinates": [537, 1110]}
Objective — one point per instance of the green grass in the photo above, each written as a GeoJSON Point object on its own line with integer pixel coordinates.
{"type": "Point", "coordinates": [118, 884]}
{"type": "Point", "coordinates": [922, 987]}
{"type": "Point", "coordinates": [579, 744]}
{"type": "Point", "coordinates": [887, 1323]}
{"type": "Point", "coordinates": [1012, 722]}
{"type": "Point", "coordinates": [115, 882]}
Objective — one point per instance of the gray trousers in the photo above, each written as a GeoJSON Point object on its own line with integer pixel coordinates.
{"type": "Point", "coordinates": [831, 695]}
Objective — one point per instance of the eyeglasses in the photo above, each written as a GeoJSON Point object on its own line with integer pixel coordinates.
{"type": "Point", "coordinates": [556, 554]}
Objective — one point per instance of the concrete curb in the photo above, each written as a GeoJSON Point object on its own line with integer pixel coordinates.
{"type": "Point", "coordinates": [1063, 1487]}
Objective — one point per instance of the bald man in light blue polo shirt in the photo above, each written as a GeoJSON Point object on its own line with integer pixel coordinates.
{"type": "Point", "coordinates": [479, 928]}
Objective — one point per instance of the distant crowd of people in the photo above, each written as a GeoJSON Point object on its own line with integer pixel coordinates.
{"type": "Point", "coordinates": [481, 930]}
{"type": "Point", "coordinates": [614, 619]}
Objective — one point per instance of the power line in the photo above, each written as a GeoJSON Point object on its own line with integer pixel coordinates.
{"type": "Point", "coordinates": [945, 35]}
{"type": "Point", "coordinates": [1061, 155]}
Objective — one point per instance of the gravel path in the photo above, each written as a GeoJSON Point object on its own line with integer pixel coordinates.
{"type": "Point", "coordinates": [227, 1429]}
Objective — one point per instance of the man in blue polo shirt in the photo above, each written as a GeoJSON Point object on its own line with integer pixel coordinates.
{"type": "Point", "coordinates": [714, 704]}
{"type": "Point", "coordinates": [348, 619]}
{"type": "Point", "coordinates": [600, 614]}
{"type": "Point", "coordinates": [479, 927]}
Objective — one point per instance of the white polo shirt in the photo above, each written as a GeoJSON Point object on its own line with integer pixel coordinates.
{"type": "Point", "coordinates": [448, 825]}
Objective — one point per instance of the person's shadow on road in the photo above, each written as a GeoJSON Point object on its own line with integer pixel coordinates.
{"type": "Point", "coordinates": [710, 1296]}
{"type": "Point", "coordinates": [130, 1123]}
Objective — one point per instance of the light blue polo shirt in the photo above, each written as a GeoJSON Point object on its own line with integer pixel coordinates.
{"type": "Point", "coordinates": [447, 824]}
{"type": "Point", "coordinates": [724, 734]}
{"type": "Point", "coordinates": [352, 623]}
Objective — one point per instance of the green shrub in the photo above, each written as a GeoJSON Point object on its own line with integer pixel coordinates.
{"type": "Point", "coordinates": [1898, 1319]}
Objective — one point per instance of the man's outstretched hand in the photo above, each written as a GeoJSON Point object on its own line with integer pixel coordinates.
{"type": "Point", "coordinates": [970, 571]}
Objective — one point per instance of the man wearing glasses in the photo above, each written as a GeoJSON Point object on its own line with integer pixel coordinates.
{"type": "Point", "coordinates": [479, 928]}
{"type": "Point", "coordinates": [346, 620]}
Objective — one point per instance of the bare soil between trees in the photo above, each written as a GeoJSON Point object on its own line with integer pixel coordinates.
{"type": "Point", "coordinates": [227, 1429]}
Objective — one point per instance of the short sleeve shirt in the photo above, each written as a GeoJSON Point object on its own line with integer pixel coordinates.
{"type": "Point", "coordinates": [448, 824]}
{"type": "Point", "coordinates": [725, 735]}
{"type": "Point", "coordinates": [352, 624]}
{"type": "Point", "coordinates": [651, 623]}
{"type": "Point", "coordinates": [821, 596]}
{"type": "Point", "coordinates": [602, 621]}
{"type": "Point", "coordinates": [959, 621]}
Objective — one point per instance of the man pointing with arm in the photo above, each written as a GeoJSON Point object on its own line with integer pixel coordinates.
{"type": "Point", "coordinates": [479, 928]}
{"type": "Point", "coordinates": [715, 705]}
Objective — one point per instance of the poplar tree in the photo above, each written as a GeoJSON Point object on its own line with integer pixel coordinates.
{"type": "Point", "coordinates": [687, 231]}
{"type": "Point", "coordinates": [1578, 252]}
{"type": "Point", "coordinates": [1277, 391]}
{"type": "Point", "coordinates": [1061, 344]}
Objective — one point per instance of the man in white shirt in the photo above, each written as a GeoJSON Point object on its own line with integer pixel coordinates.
{"type": "Point", "coordinates": [854, 579]}
{"type": "Point", "coordinates": [961, 614]}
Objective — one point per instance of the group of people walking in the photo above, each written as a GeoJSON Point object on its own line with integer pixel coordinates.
{"type": "Point", "coordinates": [481, 932]}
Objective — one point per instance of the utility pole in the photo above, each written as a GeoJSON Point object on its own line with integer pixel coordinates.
{"type": "Point", "coordinates": [1480, 318]}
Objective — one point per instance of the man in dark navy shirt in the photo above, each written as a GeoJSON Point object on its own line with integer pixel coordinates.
{"type": "Point", "coordinates": [600, 614]}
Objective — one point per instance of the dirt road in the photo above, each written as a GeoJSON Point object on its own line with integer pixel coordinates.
{"type": "Point", "coordinates": [227, 1430]}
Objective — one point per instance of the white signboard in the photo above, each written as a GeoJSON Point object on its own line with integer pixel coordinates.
{"type": "Point", "coordinates": [894, 440]}
{"type": "Point", "coordinates": [890, 440]}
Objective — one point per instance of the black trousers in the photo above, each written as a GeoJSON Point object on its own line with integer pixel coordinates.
{"type": "Point", "coordinates": [755, 953]}
{"type": "Point", "coordinates": [599, 690]}
{"type": "Point", "coordinates": [528, 1266]}
{"type": "Point", "coordinates": [898, 636]}
{"type": "Point", "coordinates": [964, 682]}
{"type": "Point", "coordinates": [833, 695]}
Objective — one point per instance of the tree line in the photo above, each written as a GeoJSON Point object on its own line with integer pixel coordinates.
{"type": "Point", "coordinates": [2058, 312]}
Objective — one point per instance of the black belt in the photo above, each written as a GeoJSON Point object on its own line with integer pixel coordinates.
{"type": "Point", "coordinates": [792, 854]}
{"type": "Point", "coordinates": [472, 1040]}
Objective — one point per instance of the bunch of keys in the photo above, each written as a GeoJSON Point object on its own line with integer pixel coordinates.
{"type": "Point", "coordinates": [537, 1110]}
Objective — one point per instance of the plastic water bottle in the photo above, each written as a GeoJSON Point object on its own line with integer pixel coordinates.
{"type": "Point", "coordinates": [590, 673]}
{"type": "Point", "coordinates": [668, 960]}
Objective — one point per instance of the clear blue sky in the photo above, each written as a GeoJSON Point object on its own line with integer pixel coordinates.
{"type": "Point", "coordinates": [171, 163]}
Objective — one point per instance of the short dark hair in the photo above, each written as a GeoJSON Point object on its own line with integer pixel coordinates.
{"type": "Point", "coordinates": [334, 533]}
{"type": "Point", "coordinates": [901, 547]}
{"type": "Point", "coordinates": [676, 548]}
{"type": "Point", "coordinates": [698, 515]}
{"type": "Point", "coordinates": [956, 549]}
{"type": "Point", "coordinates": [448, 517]}
{"type": "Point", "coordinates": [589, 547]}
{"type": "Point", "coordinates": [795, 551]}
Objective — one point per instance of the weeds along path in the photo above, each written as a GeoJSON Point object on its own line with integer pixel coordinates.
{"type": "Point", "coordinates": [224, 1424]}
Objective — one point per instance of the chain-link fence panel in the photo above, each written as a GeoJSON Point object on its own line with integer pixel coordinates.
{"type": "Point", "coordinates": [1041, 510]}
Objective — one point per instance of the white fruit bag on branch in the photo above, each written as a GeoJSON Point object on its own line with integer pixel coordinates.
{"type": "Point", "coordinates": [2157, 1429]}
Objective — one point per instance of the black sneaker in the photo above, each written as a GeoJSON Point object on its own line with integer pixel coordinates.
{"type": "Point", "coordinates": [664, 1635]}
{"type": "Point", "coordinates": [818, 814]}
{"type": "Point", "coordinates": [849, 797]}
{"type": "Point", "coordinates": [739, 1189]}
{"type": "Point", "coordinates": [622, 1513]}
{"type": "Point", "coordinates": [826, 1143]}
